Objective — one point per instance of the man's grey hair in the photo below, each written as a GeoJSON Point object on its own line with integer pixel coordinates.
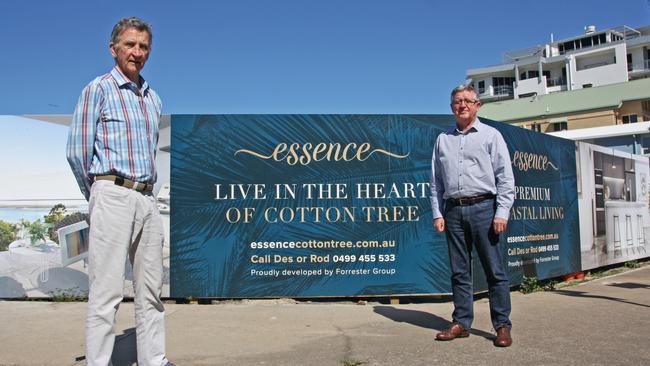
{"type": "Point", "coordinates": [462, 88]}
{"type": "Point", "coordinates": [128, 23]}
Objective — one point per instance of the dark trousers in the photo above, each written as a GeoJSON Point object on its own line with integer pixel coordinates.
{"type": "Point", "coordinates": [467, 227]}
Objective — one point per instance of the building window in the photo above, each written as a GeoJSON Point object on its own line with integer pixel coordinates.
{"type": "Point", "coordinates": [595, 40]}
{"type": "Point", "coordinates": [585, 42]}
{"type": "Point", "coordinates": [645, 144]}
{"type": "Point", "coordinates": [502, 85]}
{"type": "Point", "coordinates": [559, 126]}
{"type": "Point", "coordinates": [629, 62]}
{"type": "Point", "coordinates": [503, 81]}
{"type": "Point", "coordinates": [630, 118]}
{"type": "Point", "coordinates": [528, 74]}
{"type": "Point", "coordinates": [481, 87]}
{"type": "Point", "coordinates": [568, 46]}
{"type": "Point", "coordinates": [536, 127]}
{"type": "Point", "coordinates": [645, 105]}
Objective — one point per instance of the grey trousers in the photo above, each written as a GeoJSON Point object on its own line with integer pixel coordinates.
{"type": "Point", "coordinates": [124, 222]}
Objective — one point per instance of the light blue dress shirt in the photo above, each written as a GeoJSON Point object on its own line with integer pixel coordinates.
{"type": "Point", "coordinates": [472, 164]}
{"type": "Point", "coordinates": [114, 130]}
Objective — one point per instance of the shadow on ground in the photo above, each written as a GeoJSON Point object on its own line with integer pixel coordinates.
{"type": "Point", "coordinates": [125, 349]}
{"type": "Point", "coordinates": [587, 295]}
{"type": "Point", "coordinates": [422, 319]}
{"type": "Point", "coordinates": [629, 285]}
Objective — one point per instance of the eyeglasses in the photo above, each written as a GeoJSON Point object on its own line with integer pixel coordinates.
{"type": "Point", "coordinates": [467, 102]}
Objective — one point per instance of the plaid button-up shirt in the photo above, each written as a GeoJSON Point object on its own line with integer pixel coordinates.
{"type": "Point", "coordinates": [114, 130]}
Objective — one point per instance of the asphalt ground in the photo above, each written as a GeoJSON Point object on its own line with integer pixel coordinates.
{"type": "Point", "coordinates": [604, 321]}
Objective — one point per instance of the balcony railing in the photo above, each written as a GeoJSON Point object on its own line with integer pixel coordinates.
{"type": "Point", "coordinates": [642, 66]}
{"type": "Point", "coordinates": [502, 90]}
{"type": "Point", "coordinates": [646, 64]}
{"type": "Point", "coordinates": [555, 81]}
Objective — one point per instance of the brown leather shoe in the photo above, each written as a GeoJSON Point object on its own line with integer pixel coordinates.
{"type": "Point", "coordinates": [503, 338]}
{"type": "Point", "coordinates": [454, 331]}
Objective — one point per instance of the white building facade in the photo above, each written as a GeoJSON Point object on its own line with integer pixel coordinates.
{"type": "Point", "coordinates": [595, 58]}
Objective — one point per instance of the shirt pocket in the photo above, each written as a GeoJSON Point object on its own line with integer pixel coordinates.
{"type": "Point", "coordinates": [112, 116]}
{"type": "Point", "coordinates": [112, 130]}
{"type": "Point", "coordinates": [115, 109]}
{"type": "Point", "coordinates": [113, 122]}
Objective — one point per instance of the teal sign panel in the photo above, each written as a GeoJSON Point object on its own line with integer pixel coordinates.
{"type": "Point", "coordinates": [338, 205]}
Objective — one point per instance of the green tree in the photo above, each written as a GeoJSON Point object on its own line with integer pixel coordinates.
{"type": "Point", "coordinates": [37, 231]}
{"type": "Point", "coordinates": [7, 234]}
{"type": "Point", "coordinates": [57, 213]}
{"type": "Point", "coordinates": [24, 224]}
{"type": "Point", "coordinates": [67, 220]}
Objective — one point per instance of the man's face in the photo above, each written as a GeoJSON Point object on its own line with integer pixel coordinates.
{"type": "Point", "coordinates": [131, 52]}
{"type": "Point", "coordinates": [465, 106]}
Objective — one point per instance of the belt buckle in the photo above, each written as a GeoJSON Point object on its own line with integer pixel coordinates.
{"type": "Point", "coordinates": [463, 201]}
{"type": "Point", "coordinates": [119, 181]}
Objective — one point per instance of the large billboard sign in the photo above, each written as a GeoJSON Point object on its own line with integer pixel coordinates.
{"type": "Point", "coordinates": [338, 205]}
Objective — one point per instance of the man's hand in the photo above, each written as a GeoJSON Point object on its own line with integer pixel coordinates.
{"type": "Point", "coordinates": [439, 224]}
{"type": "Point", "coordinates": [499, 225]}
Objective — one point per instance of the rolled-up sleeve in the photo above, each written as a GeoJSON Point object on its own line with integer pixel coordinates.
{"type": "Point", "coordinates": [81, 138]}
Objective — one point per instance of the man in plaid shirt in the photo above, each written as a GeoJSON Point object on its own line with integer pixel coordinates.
{"type": "Point", "coordinates": [112, 152]}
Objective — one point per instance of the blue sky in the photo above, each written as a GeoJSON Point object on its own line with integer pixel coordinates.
{"type": "Point", "coordinates": [283, 56]}
{"type": "Point", "coordinates": [280, 56]}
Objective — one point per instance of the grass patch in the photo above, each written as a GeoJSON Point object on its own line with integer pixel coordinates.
{"type": "Point", "coordinates": [608, 271]}
{"type": "Point", "coordinates": [72, 294]}
{"type": "Point", "coordinates": [532, 284]}
{"type": "Point", "coordinates": [352, 362]}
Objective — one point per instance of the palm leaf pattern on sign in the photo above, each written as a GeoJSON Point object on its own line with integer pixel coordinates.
{"type": "Point", "coordinates": [211, 257]}
{"type": "Point", "coordinates": [563, 187]}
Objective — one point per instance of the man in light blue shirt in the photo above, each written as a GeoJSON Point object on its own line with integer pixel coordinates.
{"type": "Point", "coordinates": [112, 151]}
{"type": "Point", "coordinates": [472, 191]}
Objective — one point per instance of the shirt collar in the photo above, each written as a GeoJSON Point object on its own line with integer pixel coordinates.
{"type": "Point", "coordinates": [476, 126]}
{"type": "Point", "coordinates": [122, 80]}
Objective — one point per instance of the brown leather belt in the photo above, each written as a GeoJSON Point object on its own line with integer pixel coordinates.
{"type": "Point", "coordinates": [467, 201]}
{"type": "Point", "coordinates": [127, 183]}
